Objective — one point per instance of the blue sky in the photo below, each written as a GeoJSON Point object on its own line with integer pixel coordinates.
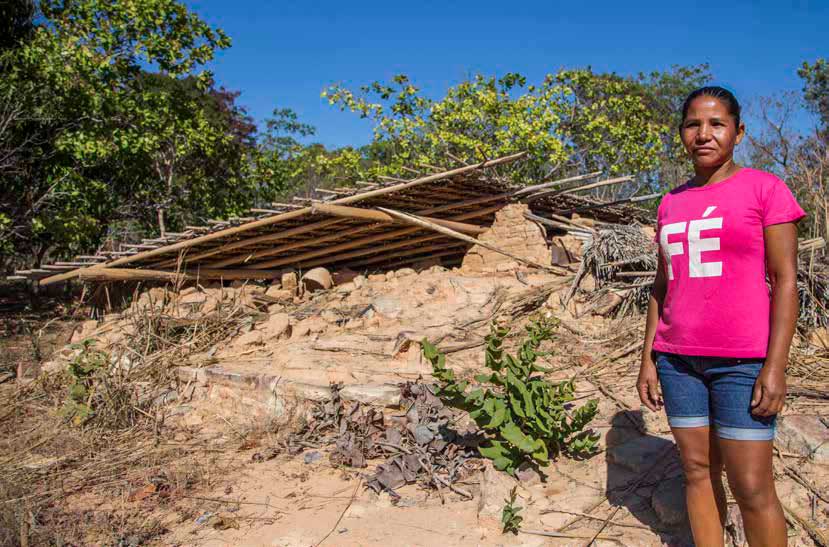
{"type": "Point", "coordinates": [285, 52]}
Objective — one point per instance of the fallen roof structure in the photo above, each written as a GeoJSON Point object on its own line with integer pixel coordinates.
{"type": "Point", "coordinates": [372, 227]}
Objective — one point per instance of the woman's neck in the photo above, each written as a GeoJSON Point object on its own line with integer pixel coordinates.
{"type": "Point", "coordinates": [712, 175]}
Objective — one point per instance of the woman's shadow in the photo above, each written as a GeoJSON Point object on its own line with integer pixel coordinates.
{"type": "Point", "coordinates": [644, 475]}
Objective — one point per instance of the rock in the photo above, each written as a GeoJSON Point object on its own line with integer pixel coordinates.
{"type": "Point", "coordinates": [330, 316]}
{"type": "Point", "coordinates": [388, 306]}
{"type": "Point", "coordinates": [346, 288]}
{"type": "Point", "coordinates": [194, 297]}
{"type": "Point", "coordinates": [608, 302]}
{"type": "Point", "coordinates": [186, 291]}
{"type": "Point", "coordinates": [376, 278]}
{"type": "Point", "coordinates": [668, 501]}
{"type": "Point", "coordinates": [283, 295]}
{"type": "Point", "coordinates": [277, 326]}
{"type": "Point", "coordinates": [289, 280]}
{"type": "Point", "coordinates": [385, 394]}
{"type": "Point", "coordinates": [571, 245]}
{"type": "Point", "coordinates": [655, 423]}
{"type": "Point", "coordinates": [308, 326]}
{"type": "Point", "coordinates": [344, 275]}
{"type": "Point", "coordinates": [495, 489]}
{"type": "Point", "coordinates": [636, 455]}
{"type": "Point", "coordinates": [311, 457]}
{"type": "Point", "coordinates": [583, 221]}
{"type": "Point", "coordinates": [253, 337]}
{"type": "Point", "coordinates": [210, 305]}
{"type": "Point", "coordinates": [87, 328]}
{"type": "Point", "coordinates": [805, 435]}
{"type": "Point", "coordinates": [317, 279]}
{"type": "Point", "coordinates": [559, 255]}
{"type": "Point", "coordinates": [437, 268]}
{"type": "Point", "coordinates": [403, 272]}
{"type": "Point", "coordinates": [423, 435]}
{"type": "Point", "coordinates": [251, 288]}
{"type": "Point", "coordinates": [425, 264]}
{"type": "Point", "coordinates": [359, 281]}
{"type": "Point", "coordinates": [528, 474]}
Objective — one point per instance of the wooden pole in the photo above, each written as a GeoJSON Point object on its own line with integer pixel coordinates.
{"type": "Point", "coordinates": [559, 182]}
{"type": "Point", "coordinates": [132, 274]}
{"type": "Point", "coordinates": [419, 221]}
{"type": "Point", "coordinates": [559, 222]}
{"type": "Point", "coordinates": [553, 193]}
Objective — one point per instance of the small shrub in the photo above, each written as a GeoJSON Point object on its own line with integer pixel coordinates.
{"type": "Point", "coordinates": [82, 370]}
{"type": "Point", "coordinates": [510, 519]}
{"type": "Point", "coordinates": [527, 418]}
{"type": "Point", "coordinates": [99, 395]}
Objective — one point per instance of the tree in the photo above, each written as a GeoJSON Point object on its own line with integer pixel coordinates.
{"type": "Point", "coordinates": [816, 88]}
{"type": "Point", "coordinates": [664, 92]}
{"type": "Point", "coordinates": [800, 159]}
{"type": "Point", "coordinates": [575, 120]}
{"type": "Point", "coordinates": [78, 77]}
{"type": "Point", "coordinates": [283, 165]}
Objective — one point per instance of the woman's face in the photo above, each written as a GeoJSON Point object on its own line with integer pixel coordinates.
{"type": "Point", "coordinates": [709, 132]}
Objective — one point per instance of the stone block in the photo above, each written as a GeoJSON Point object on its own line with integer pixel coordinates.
{"type": "Point", "coordinates": [317, 279]}
{"type": "Point", "coordinates": [289, 280]}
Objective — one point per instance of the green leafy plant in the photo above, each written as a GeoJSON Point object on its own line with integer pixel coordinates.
{"type": "Point", "coordinates": [510, 519]}
{"type": "Point", "coordinates": [82, 369]}
{"type": "Point", "coordinates": [526, 417]}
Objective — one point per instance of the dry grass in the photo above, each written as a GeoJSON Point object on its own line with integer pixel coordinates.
{"type": "Point", "coordinates": [98, 476]}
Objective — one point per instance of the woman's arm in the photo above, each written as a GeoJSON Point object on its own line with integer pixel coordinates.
{"type": "Point", "coordinates": [647, 383]}
{"type": "Point", "coordinates": [781, 262]}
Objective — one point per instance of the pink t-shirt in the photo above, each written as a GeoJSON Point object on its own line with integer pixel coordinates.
{"type": "Point", "coordinates": [711, 237]}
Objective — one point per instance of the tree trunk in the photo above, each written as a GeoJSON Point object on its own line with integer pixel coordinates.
{"type": "Point", "coordinates": [161, 229]}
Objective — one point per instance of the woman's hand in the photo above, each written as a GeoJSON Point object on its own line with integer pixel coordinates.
{"type": "Point", "coordinates": [648, 385]}
{"type": "Point", "coordinates": [769, 390]}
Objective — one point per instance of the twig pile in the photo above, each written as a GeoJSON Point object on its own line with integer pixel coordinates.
{"type": "Point", "coordinates": [621, 259]}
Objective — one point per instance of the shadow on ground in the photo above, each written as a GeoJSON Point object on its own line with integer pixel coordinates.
{"type": "Point", "coordinates": [644, 475]}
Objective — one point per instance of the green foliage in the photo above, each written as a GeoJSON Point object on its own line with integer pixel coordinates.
{"type": "Point", "coordinates": [575, 119]}
{"type": "Point", "coordinates": [816, 88]}
{"type": "Point", "coordinates": [284, 165]}
{"type": "Point", "coordinates": [510, 519]}
{"type": "Point", "coordinates": [90, 136]}
{"type": "Point", "coordinates": [526, 417]}
{"type": "Point", "coordinates": [83, 370]}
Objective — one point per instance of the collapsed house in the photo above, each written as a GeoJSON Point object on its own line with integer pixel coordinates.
{"type": "Point", "coordinates": [374, 227]}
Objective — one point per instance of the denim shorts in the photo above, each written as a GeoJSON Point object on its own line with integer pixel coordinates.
{"type": "Point", "coordinates": [699, 390]}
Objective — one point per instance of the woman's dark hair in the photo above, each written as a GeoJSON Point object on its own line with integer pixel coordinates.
{"type": "Point", "coordinates": [717, 92]}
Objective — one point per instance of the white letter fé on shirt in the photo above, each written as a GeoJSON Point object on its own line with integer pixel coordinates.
{"type": "Point", "coordinates": [696, 245]}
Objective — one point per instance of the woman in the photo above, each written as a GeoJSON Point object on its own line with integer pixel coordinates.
{"type": "Point", "coordinates": [716, 340]}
